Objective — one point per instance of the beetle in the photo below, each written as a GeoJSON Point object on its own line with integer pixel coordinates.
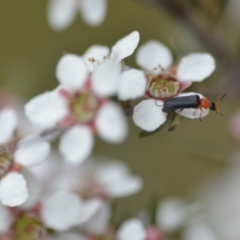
{"type": "Point", "coordinates": [192, 101]}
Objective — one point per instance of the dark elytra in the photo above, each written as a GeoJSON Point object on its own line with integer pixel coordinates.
{"type": "Point", "coordinates": [174, 104]}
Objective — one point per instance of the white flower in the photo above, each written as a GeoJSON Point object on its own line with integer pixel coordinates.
{"type": "Point", "coordinates": [13, 185]}
{"type": "Point", "coordinates": [82, 103]}
{"type": "Point", "coordinates": [149, 116]}
{"type": "Point", "coordinates": [132, 82]}
{"type": "Point", "coordinates": [29, 151]}
{"type": "Point", "coordinates": [131, 229]}
{"type": "Point", "coordinates": [61, 13]}
{"type": "Point", "coordinates": [92, 183]}
{"type": "Point", "coordinates": [93, 178]}
{"type": "Point", "coordinates": [165, 80]}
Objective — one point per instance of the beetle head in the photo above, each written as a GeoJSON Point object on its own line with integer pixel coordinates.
{"type": "Point", "coordinates": [214, 105]}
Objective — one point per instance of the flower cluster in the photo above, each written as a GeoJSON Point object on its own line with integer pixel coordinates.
{"type": "Point", "coordinates": [76, 198]}
{"type": "Point", "coordinates": [62, 197]}
{"type": "Point", "coordinates": [81, 105]}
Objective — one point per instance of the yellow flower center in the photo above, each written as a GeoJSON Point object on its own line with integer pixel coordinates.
{"type": "Point", "coordinates": [163, 86]}
{"type": "Point", "coordinates": [84, 107]}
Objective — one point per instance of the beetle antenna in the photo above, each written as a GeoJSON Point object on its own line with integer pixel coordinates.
{"type": "Point", "coordinates": [217, 103]}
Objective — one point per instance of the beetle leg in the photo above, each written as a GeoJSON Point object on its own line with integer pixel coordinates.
{"type": "Point", "coordinates": [200, 117]}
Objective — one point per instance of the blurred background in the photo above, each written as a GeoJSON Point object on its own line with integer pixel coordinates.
{"type": "Point", "coordinates": [171, 163]}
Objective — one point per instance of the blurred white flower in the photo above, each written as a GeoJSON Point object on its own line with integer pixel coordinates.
{"type": "Point", "coordinates": [29, 151]}
{"type": "Point", "coordinates": [93, 178]}
{"type": "Point", "coordinates": [62, 13]}
{"type": "Point", "coordinates": [91, 185]}
{"type": "Point", "coordinates": [81, 103]}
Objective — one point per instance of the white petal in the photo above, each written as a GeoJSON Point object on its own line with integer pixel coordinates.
{"type": "Point", "coordinates": [76, 144]}
{"type": "Point", "coordinates": [171, 214]}
{"type": "Point", "coordinates": [34, 191]}
{"type": "Point", "coordinates": [71, 71]}
{"type": "Point", "coordinates": [93, 11]}
{"type": "Point", "coordinates": [61, 13]}
{"type": "Point", "coordinates": [46, 109]}
{"type": "Point", "coordinates": [125, 46]}
{"type": "Point", "coordinates": [90, 207]}
{"type": "Point", "coordinates": [148, 116]}
{"type": "Point", "coordinates": [111, 123]}
{"type": "Point", "coordinates": [132, 84]}
{"type": "Point", "coordinates": [61, 210]}
{"type": "Point", "coordinates": [152, 54]}
{"type": "Point", "coordinates": [131, 229]}
{"type": "Point", "coordinates": [31, 150]}
{"type": "Point", "coordinates": [8, 124]}
{"type": "Point", "coordinates": [192, 112]}
{"type": "Point", "coordinates": [99, 221]}
{"type": "Point", "coordinates": [124, 186]}
{"type": "Point", "coordinates": [195, 67]}
{"type": "Point", "coordinates": [96, 52]}
{"type": "Point", "coordinates": [6, 219]}
{"type": "Point", "coordinates": [105, 78]}
{"type": "Point", "coordinates": [13, 189]}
